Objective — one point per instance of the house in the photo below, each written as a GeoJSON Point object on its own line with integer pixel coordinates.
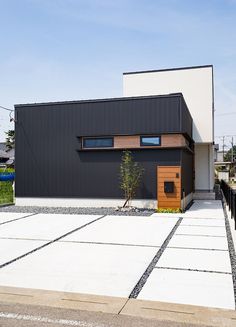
{"type": "Point", "coordinates": [7, 157]}
{"type": "Point", "coordinates": [69, 153]}
{"type": "Point", "coordinates": [11, 158]}
{"type": "Point", "coordinates": [196, 85]}
{"type": "Point", "coordinates": [220, 156]}
{"type": "Point", "coordinates": [3, 158]}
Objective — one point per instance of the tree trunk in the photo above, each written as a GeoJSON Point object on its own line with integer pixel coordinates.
{"type": "Point", "coordinates": [127, 201]}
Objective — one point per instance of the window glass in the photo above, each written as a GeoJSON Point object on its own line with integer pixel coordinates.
{"type": "Point", "coordinates": [104, 142]}
{"type": "Point", "coordinates": [150, 140]}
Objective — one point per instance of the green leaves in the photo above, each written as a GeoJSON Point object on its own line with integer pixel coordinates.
{"type": "Point", "coordinates": [130, 174]}
{"type": "Point", "coordinates": [10, 139]}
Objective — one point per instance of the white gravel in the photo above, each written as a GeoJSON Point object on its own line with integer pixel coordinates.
{"type": "Point", "coordinates": [76, 211]}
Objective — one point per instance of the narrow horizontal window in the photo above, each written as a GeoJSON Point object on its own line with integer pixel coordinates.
{"type": "Point", "coordinates": [98, 142]}
{"type": "Point", "coordinates": [150, 140]}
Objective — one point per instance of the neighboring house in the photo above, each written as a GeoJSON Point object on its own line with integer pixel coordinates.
{"type": "Point", "coordinates": [223, 169]}
{"type": "Point", "coordinates": [216, 149]}
{"type": "Point", "coordinates": [220, 156]}
{"type": "Point", "coordinates": [7, 157]}
{"type": "Point", "coordinates": [3, 158]}
{"type": "Point", "coordinates": [223, 174]}
{"type": "Point", "coordinates": [3, 146]}
{"type": "Point", "coordinates": [11, 159]}
{"type": "Point", "coordinates": [69, 153]}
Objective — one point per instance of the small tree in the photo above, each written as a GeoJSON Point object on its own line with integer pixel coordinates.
{"type": "Point", "coordinates": [10, 139]}
{"type": "Point", "coordinates": [130, 174]}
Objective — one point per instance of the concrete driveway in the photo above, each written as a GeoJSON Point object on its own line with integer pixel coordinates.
{"type": "Point", "coordinates": [170, 258]}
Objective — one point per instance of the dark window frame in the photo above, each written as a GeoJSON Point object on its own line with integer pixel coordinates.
{"type": "Point", "coordinates": [150, 136]}
{"type": "Point", "coordinates": [98, 138]}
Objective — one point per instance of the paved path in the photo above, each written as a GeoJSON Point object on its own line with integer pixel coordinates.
{"type": "Point", "coordinates": [170, 258]}
{"type": "Point", "coordinates": [195, 267]}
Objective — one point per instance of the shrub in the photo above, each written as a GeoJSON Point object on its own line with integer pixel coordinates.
{"type": "Point", "coordinates": [130, 175]}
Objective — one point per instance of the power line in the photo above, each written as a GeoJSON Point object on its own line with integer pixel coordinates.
{"type": "Point", "coordinates": [227, 113]}
{"type": "Point", "coordinates": [221, 136]}
{"type": "Point", "coordinates": [10, 113]}
{"type": "Point", "coordinates": [6, 108]}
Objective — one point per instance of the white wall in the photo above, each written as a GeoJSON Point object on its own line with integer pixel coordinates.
{"type": "Point", "coordinates": [196, 84]}
{"type": "Point", "coordinates": [83, 203]}
{"type": "Point", "coordinates": [204, 167]}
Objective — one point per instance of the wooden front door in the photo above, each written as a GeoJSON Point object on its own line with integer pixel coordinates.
{"type": "Point", "coordinates": [169, 187]}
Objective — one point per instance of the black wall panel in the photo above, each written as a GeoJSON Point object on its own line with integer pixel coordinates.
{"type": "Point", "coordinates": [50, 164]}
{"type": "Point", "coordinates": [186, 119]}
{"type": "Point", "coordinates": [187, 163]}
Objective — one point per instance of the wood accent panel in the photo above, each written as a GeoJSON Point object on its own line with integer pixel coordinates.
{"type": "Point", "coordinates": [126, 142]}
{"type": "Point", "coordinates": [167, 141]}
{"type": "Point", "coordinates": [173, 140]}
{"type": "Point", "coordinates": [169, 200]}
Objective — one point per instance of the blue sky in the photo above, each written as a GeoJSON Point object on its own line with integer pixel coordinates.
{"type": "Point", "coordinates": [55, 50]}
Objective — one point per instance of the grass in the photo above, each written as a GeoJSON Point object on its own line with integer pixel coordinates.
{"type": "Point", "coordinates": [6, 190]}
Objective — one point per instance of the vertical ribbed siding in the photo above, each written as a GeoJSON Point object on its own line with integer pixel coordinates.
{"type": "Point", "coordinates": [186, 119]}
{"type": "Point", "coordinates": [187, 161]}
{"type": "Point", "coordinates": [49, 162]}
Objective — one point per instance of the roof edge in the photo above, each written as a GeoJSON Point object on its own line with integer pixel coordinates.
{"type": "Point", "coordinates": [100, 100]}
{"type": "Point", "coordinates": [167, 69]}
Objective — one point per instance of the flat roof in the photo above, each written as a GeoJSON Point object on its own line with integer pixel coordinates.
{"type": "Point", "coordinates": [167, 69]}
{"type": "Point", "coordinates": [100, 100]}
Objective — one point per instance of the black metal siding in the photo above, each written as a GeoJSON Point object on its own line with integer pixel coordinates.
{"type": "Point", "coordinates": [187, 163]}
{"type": "Point", "coordinates": [93, 174]}
{"type": "Point", "coordinates": [186, 119]}
{"type": "Point", "coordinates": [136, 116]}
{"type": "Point", "coordinates": [48, 160]}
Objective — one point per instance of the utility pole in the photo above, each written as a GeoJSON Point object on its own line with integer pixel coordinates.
{"type": "Point", "coordinates": [232, 149]}
{"type": "Point", "coordinates": [223, 148]}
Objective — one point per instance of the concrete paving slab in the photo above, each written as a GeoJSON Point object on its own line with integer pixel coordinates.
{"type": "Point", "coordinates": [167, 215]}
{"type": "Point", "coordinates": [81, 268]}
{"type": "Point", "coordinates": [205, 209]}
{"type": "Point", "coordinates": [11, 249]}
{"type": "Point", "coordinates": [65, 300]}
{"type": "Point", "coordinates": [201, 230]}
{"type": "Point", "coordinates": [180, 313]}
{"type": "Point", "coordinates": [199, 242]}
{"type": "Point", "coordinates": [7, 216]}
{"type": "Point", "coordinates": [44, 226]}
{"type": "Point", "coordinates": [203, 222]}
{"type": "Point", "coordinates": [126, 230]}
{"type": "Point", "coordinates": [189, 287]}
{"type": "Point", "coordinates": [196, 259]}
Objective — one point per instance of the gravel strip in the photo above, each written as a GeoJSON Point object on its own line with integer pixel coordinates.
{"type": "Point", "coordinates": [79, 211]}
{"type": "Point", "coordinates": [10, 221]}
{"type": "Point", "coordinates": [231, 247]}
{"type": "Point", "coordinates": [50, 242]}
{"type": "Point", "coordinates": [197, 270]}
{"type": "Point", "coordinates": [142, 281]}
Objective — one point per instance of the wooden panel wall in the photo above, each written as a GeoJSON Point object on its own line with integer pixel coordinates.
{"type": "Point", "coordinates": [173, 140]}
{"type": "Point", "coordinates": [167, 141]}
{"type": "Point", "coordinates": [169, 200]}
{"type": "Point", "coordinates": [126, 142]}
